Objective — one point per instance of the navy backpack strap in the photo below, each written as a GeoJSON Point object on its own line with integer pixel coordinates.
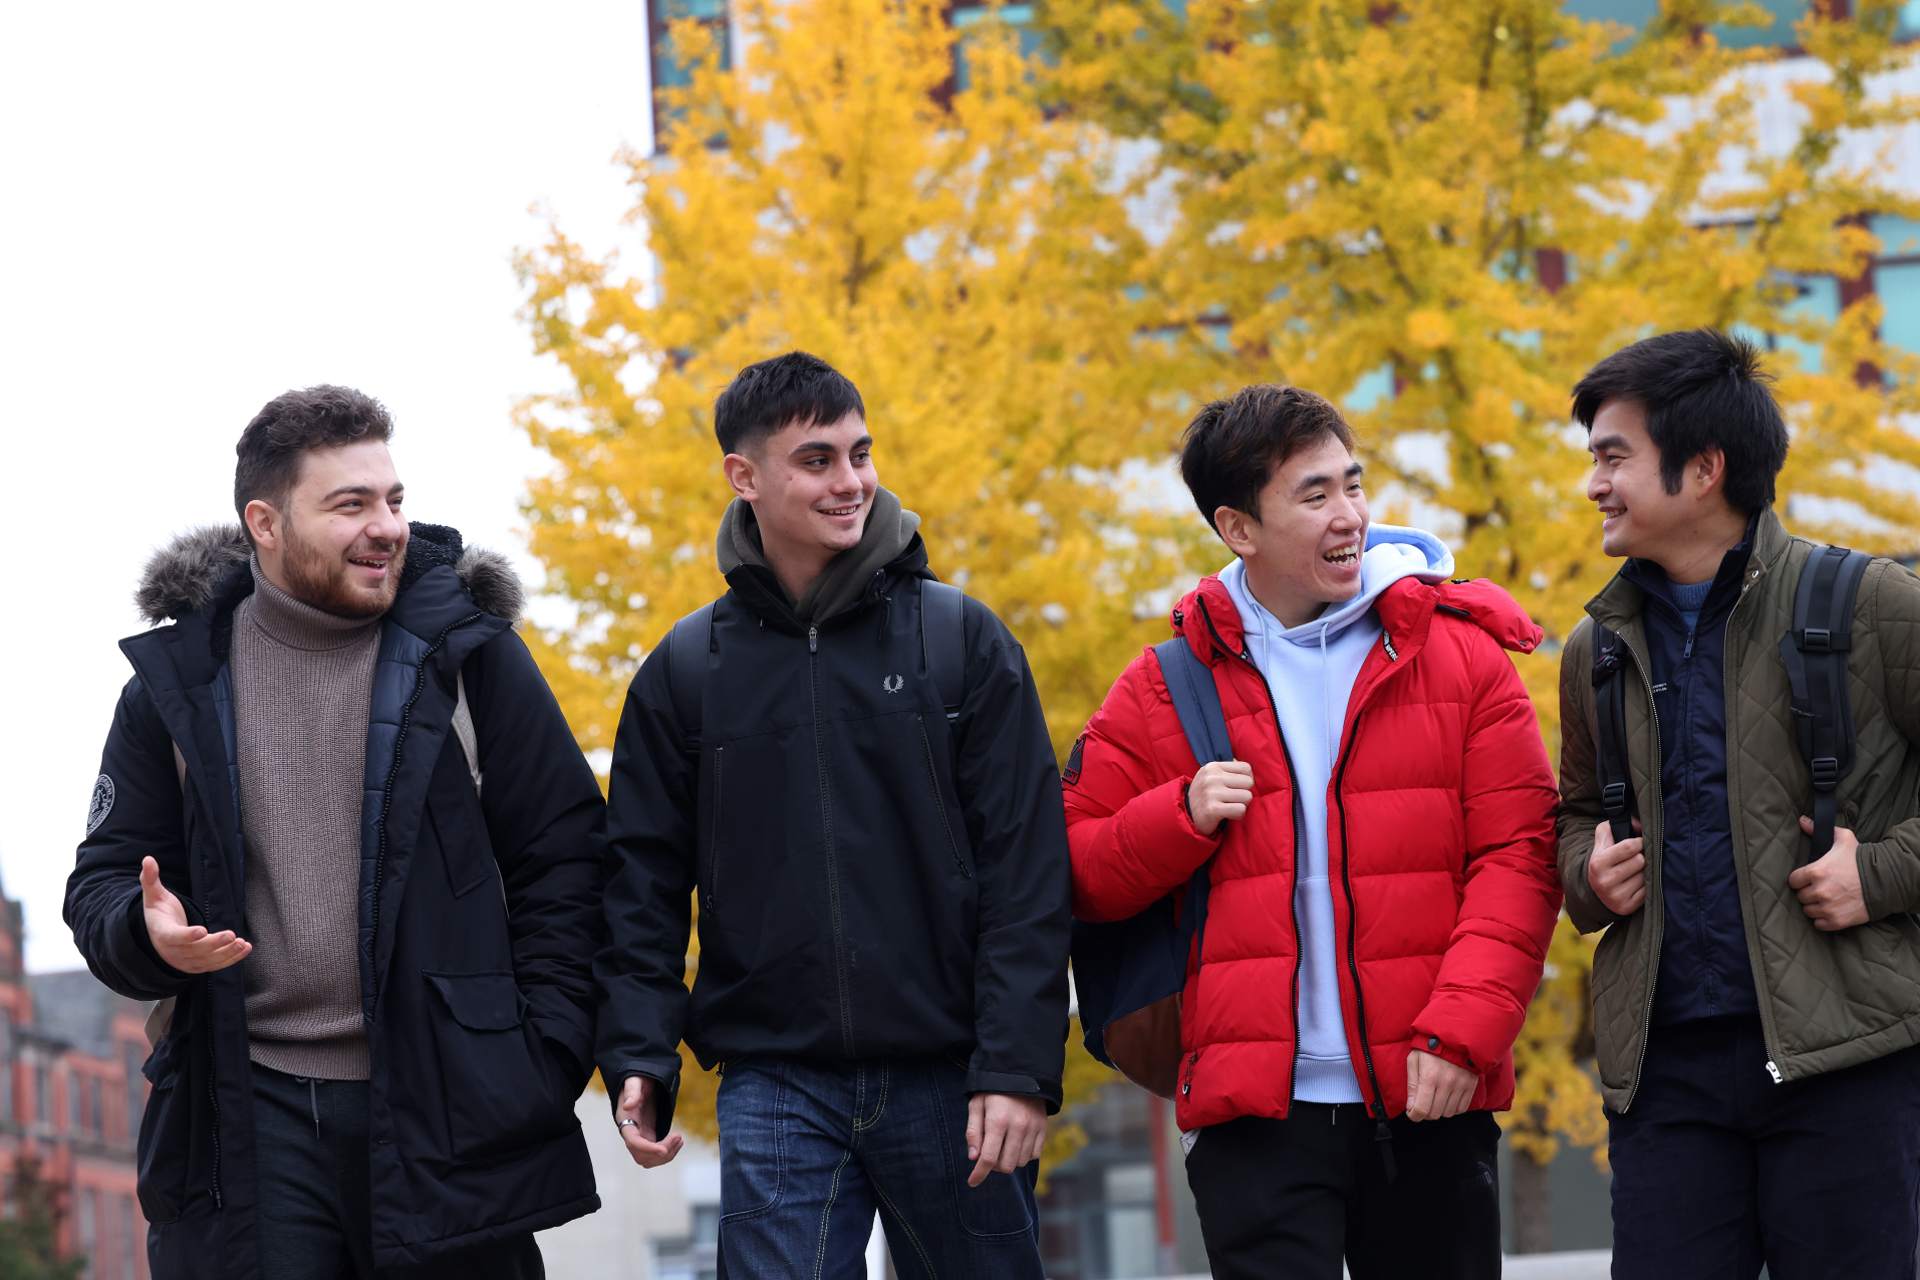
{"type": "Point", "coordinates": [1815, 652]}
{"type": "Point", "coordinates": [1195, 700]}
{"type": "Point", "coordinates": [1610, 716]}
{"type": "Point", "coordinates": [943, 641]}
{"type": "Point", "coordinates": [688, 645]}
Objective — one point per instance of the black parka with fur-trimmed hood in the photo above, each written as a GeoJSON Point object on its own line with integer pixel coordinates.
{"type": "Point", "coordinates": [478, 915]}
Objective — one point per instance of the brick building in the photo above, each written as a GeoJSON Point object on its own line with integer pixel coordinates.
{"type": "Point", "coordinates": [71, 1093]}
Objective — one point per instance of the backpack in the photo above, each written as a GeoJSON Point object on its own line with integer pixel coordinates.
{"type": "Point", "coordinates": [943, 645]}
{"type": "Point", "coordinates": [1814, 650]}
{"type": "Point", "coordinates": [1129, 974]}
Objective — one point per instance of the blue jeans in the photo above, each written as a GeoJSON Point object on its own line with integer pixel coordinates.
{"type": "Point", "coordinates": [809, 1151]}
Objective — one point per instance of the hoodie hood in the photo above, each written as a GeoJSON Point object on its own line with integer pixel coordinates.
{"type": "Point", "coordinates": [890, 543]}
{"type": "Point", "coordinates": [208, 566]}
{"type": "Point", "coordinates": [1392, 553]}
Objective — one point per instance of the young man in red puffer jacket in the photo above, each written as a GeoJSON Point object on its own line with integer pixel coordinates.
{"type": "Point", "coordinates": [1380, 854]}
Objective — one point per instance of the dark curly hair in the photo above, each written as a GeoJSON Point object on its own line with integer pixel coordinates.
{"type": "Point", "coordinates": [288, 426]}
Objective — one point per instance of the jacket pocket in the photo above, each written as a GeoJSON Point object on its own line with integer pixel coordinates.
{"type": "Point", "coordinates": [939, 800]}
{"type": "Point", "coordinates": [710, 860]}
{"type": "Point", "coordinates": [496, 1085]}
{"type": "Point", "coordinates": [164, 1144]}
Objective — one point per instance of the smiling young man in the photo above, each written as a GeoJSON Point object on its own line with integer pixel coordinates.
{"type": "Point", "coordinates": [881, 873]}
{"type": "Point", "coordinates": [1755, 999]}
{"type": "Point", "coordinates": [377, 973]}
{"type": "Point", "coordinates": [1380, 855]}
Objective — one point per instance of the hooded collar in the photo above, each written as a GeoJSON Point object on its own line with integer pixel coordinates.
{"type": "Point", "coordinates": [890, 546]}
{"type": "Point", "coordinates": [1392, 553]}
{"type": "Point", "coordinates": [206, 570]}
{"type": "Point", "coordinates": [1207, 618]}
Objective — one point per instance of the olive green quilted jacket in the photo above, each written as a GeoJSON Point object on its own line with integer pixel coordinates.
{"type": "Point", "coordinates": [1827, 1000]}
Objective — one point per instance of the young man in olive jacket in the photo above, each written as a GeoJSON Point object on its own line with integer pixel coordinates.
{"type": "Point", "coordinates": [1756, 1000]}
{"type": "Point", "coordinates": [882, 885]}
{"type": "Point", "coordinates": [342, 830]}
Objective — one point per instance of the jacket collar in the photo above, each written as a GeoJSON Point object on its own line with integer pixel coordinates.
{"type": "Point", "coordinates": [203, 575]}
{"type": "Point", "coordinates": [1618, 605]}
{"type": "Point", "coordinates": [1210, 622]}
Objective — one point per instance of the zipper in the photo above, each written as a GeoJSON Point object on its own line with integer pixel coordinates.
{"type": "Point", "coordinates": [1739, 866]}
{"type": "Point", "coordinates": [1659, 920]}
{"type": "Point", "coordinates": [213, 1100]}
{"type": "Point", "coordinates": [1293, 905]}
{"type": "Point", "coordinates": [710, 882]}
{"type": "Point", "coordinates": [386, 800]}
{"type": "Point", "coordinates": [1353, 922]}
{"type": "Point", "coordinates": [826, 828]}
{"type": "Point", "coordinates": [939, 802]}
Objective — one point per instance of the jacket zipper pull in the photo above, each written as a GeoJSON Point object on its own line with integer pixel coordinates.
{"type": "Point", "coordinates": [813, 639]}
{"type": "Point", "coordinates": [1773, 1071]}
{"type": "Point", "coordinates": [1386, 642]}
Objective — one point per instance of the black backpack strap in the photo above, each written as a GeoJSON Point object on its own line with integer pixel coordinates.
{"type": "Point", "coordinates": [688, 645]}
{"type": "Point", "coordinates": [1815, 653]}
{"type": "Point", "coordinates": [943, 641]}
{"type": "Point", "coordinates": [1610, 717]}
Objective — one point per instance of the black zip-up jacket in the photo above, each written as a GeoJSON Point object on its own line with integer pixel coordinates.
{"type": "Point", "coordinates": [478, 917]}
{"type": "Point", "coordinates": [873, 883]}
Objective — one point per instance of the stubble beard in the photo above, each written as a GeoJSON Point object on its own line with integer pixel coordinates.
{"type": "Point", "coordinates": [316, 579]}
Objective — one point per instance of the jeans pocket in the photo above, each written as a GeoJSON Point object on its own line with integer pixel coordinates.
{"type": "Point", "coordinates": [749, 1109]}
{"type": "Point", "coordinates": [499, 1096]}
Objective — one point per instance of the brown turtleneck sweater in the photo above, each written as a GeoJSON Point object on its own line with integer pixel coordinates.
{"type": "Point", "coordinates": [302, 685]}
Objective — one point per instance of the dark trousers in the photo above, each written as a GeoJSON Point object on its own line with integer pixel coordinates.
{"type": "Point", "coordinates": [810, 1150]}
{"type": "Point", "coordinates": [1717, 1169]}
{"type": "Point", "coordinates": [315, 1213]}
{"type": "Point", "coordinates": [1287, 1199]}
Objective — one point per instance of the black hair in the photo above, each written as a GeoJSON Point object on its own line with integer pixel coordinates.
{"type": "Point", "coordinates": [292, 423]}
{"type": "Point", "coordinates": [1701, 389]}
{"type": "Point", "coordinates": [795, 388]}
{"type": "Point", "coordinates": [1232, 447]}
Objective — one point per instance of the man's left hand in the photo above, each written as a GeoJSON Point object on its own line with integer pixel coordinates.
{"type": "Point", "coordinates": [1829, 888]}
{"type": "Point", "coordinates": [1436, 1088]}
{"type": "Point", "coordinates": [1004, 1132]}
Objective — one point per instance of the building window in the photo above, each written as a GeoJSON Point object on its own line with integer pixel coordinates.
{"type": "Point", "coordinates": [668, 71]}
{"type": "Point", "coordinates": [42, 1094]}
{"type": "Point", "coordinates": [6, 1069]}
{"type": "Point", "coordinates": [89, 1241]}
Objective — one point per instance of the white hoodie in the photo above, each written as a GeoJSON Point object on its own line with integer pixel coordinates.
{"type": "Point", "coordinates": [1310, 670]}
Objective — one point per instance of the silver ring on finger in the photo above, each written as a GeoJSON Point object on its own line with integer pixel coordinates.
{"type": "Point", "coordinates": [626, 1122]}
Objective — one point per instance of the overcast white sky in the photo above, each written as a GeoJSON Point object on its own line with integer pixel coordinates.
{"type": "Point", "coordinates": [205, 204]}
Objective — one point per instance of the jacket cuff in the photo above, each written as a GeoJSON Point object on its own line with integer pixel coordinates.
{"type": "Point", "coordinates": [1879, 891]}
{"type": "Point", "coordinates": [666, 1097]}
{"type": "Point", "coordinates": [1048, 1091]}
{"type": "Point", "coordinates": [138, 959]}
{"type": "Point", "coordinates": [1439, 1048]}
{"type": "Point", "coordinates": [1584, 907]}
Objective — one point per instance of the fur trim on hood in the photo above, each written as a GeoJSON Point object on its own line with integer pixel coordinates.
{"type": "Point", "coordinates": [201, 565]}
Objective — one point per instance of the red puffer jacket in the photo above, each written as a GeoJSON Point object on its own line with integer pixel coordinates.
{"type": "Point", "coordinates": [1440, 822]}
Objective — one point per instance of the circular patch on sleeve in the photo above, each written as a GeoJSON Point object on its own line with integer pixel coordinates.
{"type": "Point", "coordinates": [102, 803]}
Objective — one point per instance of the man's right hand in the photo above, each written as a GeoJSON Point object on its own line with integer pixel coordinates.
{"type": "Point", "coordinates": [1221, 789]}
{"type": "Point", "coordinates": [1617, 871]}
{"type": "Point", "coordinates": [636, 1115]}
{"type": "Point", "coordinates": [187, 948]}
